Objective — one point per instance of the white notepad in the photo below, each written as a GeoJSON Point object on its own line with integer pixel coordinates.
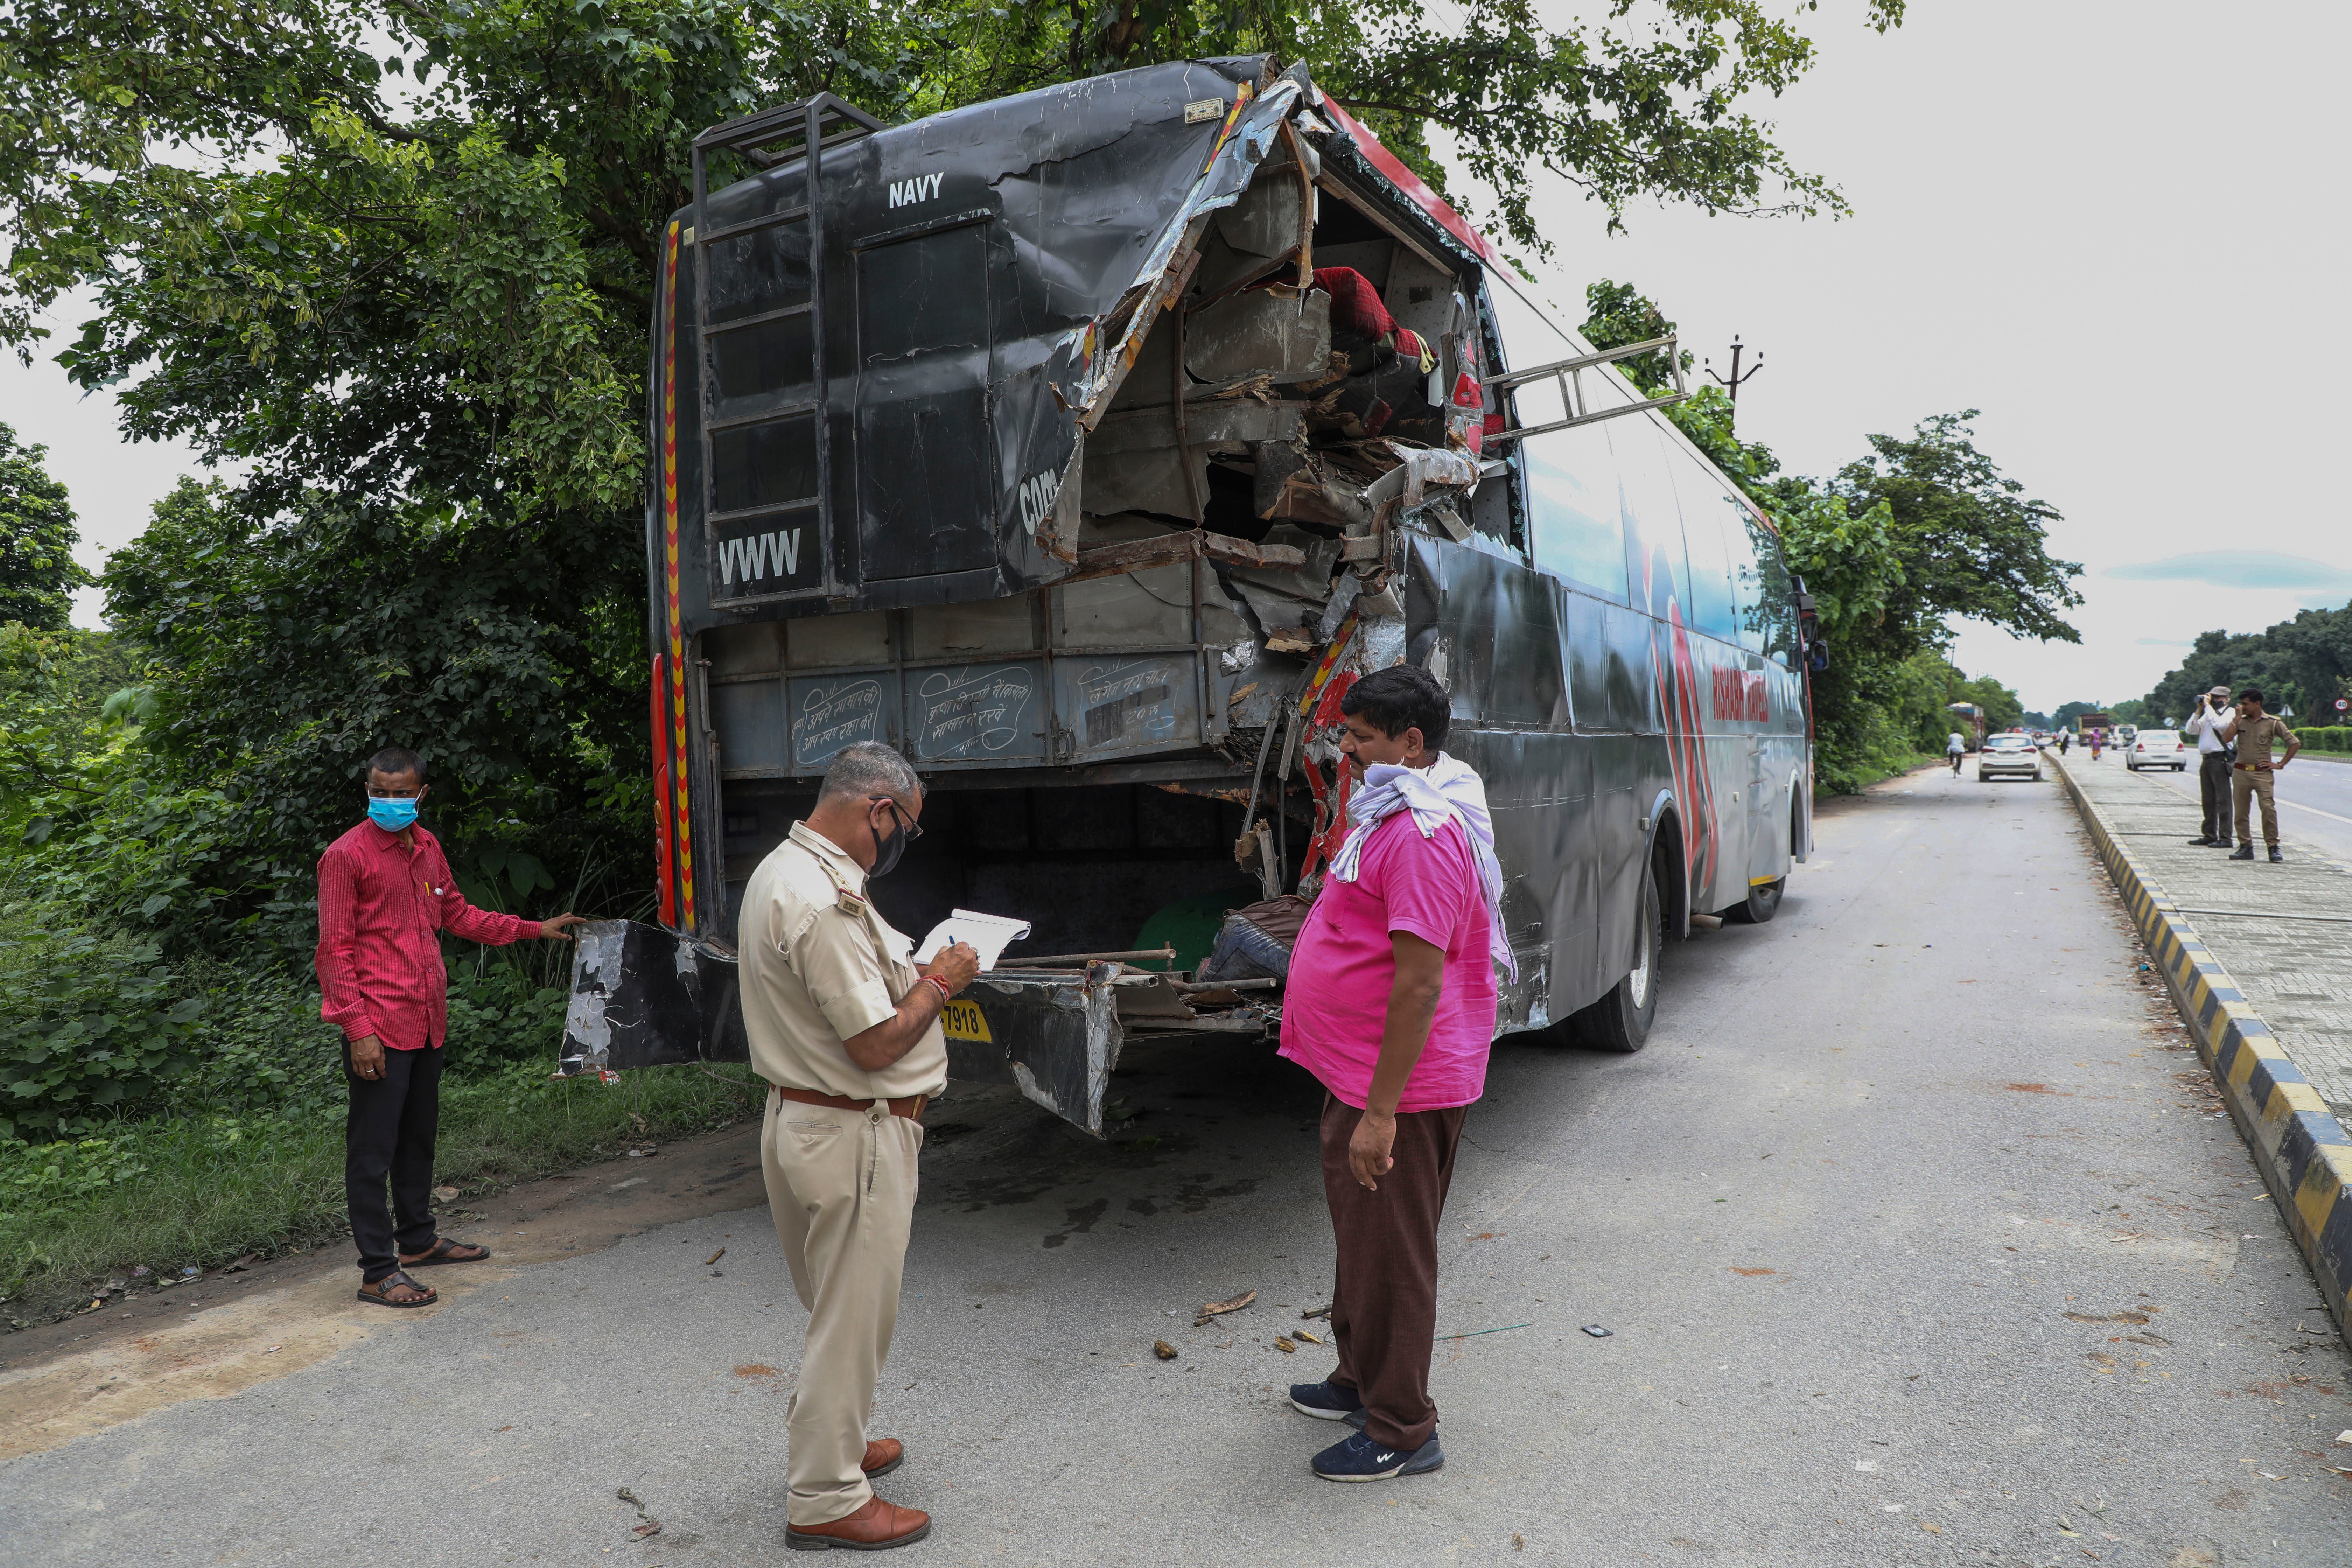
{"type": "Point", "coordinates": [989, 934]}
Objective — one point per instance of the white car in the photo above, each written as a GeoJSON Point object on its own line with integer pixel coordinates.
{"type": "Point", "coordinates": [2155, 749]}
{"type": "Point", "coordinates": [2009, 755]}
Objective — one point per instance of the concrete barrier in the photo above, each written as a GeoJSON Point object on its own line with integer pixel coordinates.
{"type": "Point", "coordinates": [2302, 1150]}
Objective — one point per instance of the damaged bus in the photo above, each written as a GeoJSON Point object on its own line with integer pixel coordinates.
{"type": "Point", "coordinates": [1085, 445]}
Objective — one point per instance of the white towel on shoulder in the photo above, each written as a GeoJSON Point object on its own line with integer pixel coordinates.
{"type": "Point", "coordinates": [1446, 791]}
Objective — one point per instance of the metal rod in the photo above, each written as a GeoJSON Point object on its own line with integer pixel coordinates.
{"type": "Point", "coordinates": [1224, 984]}
{"type": "Point", "coordinates": [1167, 953]}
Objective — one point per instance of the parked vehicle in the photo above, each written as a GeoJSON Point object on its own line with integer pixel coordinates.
{"type": "Point", "coordinates": [2007, 756]}
{"type": "Point", "coordinates": [1087, 445]}
{"type": "Point", "coordinates": [2155, 749]}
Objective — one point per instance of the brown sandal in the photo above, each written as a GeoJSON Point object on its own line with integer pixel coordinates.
{"type": "Point", "coordinates": [380, 1291]}
{"type": "Point", "coordinates": [444, 1250]}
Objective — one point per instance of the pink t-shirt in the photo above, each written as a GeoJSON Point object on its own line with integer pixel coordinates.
{"type": "Point", "coordinates": [1337, 1002]}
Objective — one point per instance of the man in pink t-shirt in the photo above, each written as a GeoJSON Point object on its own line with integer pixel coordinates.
{"type": "Point", "coordinates": [1391, 1004]}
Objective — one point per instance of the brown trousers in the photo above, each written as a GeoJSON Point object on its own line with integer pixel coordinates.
{"type": "Point", "coordinates": [1384, 1289]}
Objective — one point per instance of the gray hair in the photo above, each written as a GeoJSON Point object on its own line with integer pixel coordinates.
{"type": "Point", "coordinates": [868, 768]}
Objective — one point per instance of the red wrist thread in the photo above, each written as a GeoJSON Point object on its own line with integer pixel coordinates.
{"type": "Point", "coordinates": [945, 995]}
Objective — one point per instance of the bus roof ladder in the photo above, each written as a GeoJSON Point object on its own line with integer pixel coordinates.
{"type": "Point", "coordinates": [768, 140]}
{"type": "Point", "coordinates": [1567, 374]}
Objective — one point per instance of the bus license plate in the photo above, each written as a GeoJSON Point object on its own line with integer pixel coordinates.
{"type": "Point", "coordinates": [965, 1021]}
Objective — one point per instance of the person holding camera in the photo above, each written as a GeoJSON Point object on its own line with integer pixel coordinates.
{"type": "Point", "coordinates": [2213, 760]}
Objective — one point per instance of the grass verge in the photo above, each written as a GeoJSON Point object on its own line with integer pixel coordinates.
{"type": "Point", "coordinates": [175, 1192]}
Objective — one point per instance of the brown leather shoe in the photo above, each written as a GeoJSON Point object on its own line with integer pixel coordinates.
{"type": "Point", "coordinates": [877, 1526]}
{"type": "Point", "coordinates": [883, 1456]}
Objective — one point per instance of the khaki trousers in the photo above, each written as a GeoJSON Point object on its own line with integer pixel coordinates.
{"type": "Point", "coordinates": [2245, 784]}
{"type": "Point", "coordinates": [841, 1187]}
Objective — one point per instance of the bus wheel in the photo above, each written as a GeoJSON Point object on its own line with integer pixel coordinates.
{"type": "Point", "coordinates": [1621, 1020]}
{"type": "Point", "coordinates": [1763, 902]}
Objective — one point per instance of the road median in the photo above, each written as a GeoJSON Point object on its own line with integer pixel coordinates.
{"type": "Point", "coordinates": [2299, 1142]}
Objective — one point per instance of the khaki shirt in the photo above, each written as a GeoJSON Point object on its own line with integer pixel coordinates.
{"type": "Point", "coordinates": [2256, 736]}
{"type": "Point", "coordinates": [820, 965]}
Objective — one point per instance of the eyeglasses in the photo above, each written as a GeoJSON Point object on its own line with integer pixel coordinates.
{"type": "Point", "coordinates": [906, 825]}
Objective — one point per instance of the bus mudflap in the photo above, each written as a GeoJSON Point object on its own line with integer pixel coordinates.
{"type": "Point", "coordinates": [642, 996]}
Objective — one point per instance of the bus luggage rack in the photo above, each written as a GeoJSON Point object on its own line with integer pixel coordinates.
{"type": "Point", "coordinates": [1568, 372]}
{"type": "Point", "coordinates": [761, 537]}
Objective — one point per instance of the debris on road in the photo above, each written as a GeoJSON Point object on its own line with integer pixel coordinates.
{"type": "Point", "coordinates": [651, 1526]}
{"type": "Point", "coordinates": [1596, 1331]}
{"type": "Point", "coordinates": [1284, 1345]}
{"type": "Point", "coordinates": [446, 1194]}
{"type": "Point", "coordinates": [1505, 1329]}
{"type": "Point", "coordinates": [1214, 1309]}
{"type": "Point", "coordinates": [1163, 1350]}
{"type": "Point", "coordinates": [1303, 1334]}
{"type": "Point", "coordinates": [1322, 1312]}
{"type": "Point", "coordinates": [714, 1257]}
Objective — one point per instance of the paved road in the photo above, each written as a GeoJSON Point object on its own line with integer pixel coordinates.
{"type": "Point", "coordinates": [1875, 1221]}
{"type": "Point", "coordinates": [2315, 801]}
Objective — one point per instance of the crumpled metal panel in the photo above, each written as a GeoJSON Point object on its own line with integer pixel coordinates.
{"type": "Point", "coordinates": [644, 997]}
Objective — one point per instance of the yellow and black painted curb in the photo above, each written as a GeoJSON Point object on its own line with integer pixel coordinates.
{"type": "Point", "coordinates": [2302, 1150]}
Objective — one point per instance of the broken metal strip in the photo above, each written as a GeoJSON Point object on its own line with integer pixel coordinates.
{"type": "Point", "coordinates": [928, 226]}
{"type": "Point", "coordinates": [801, 504]}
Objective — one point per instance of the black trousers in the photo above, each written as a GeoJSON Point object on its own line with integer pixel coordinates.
{"type": "Point", "coordinates": [389, 1133]}
{"type": "Point", "coordinates": [1384, 1289]}
{"type": "Point", "coordinates": [2213, 788]}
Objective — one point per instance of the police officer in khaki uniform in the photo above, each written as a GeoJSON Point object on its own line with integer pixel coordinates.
{"type": "Point", "coordinates": [846, 1028]}
{"type": "Point", "coordinates": [2256, 732]}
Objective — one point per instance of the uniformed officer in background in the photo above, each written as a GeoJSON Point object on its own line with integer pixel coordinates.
{"type": "Point", "coordinates": [846, 1028]}
{"type": "Point", "coordinates": [2256, 732]}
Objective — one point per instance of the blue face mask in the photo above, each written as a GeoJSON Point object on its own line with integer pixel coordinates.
{"type": "Point", "coordinates": [390, 814]}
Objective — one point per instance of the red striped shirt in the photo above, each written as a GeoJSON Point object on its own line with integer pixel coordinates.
{"type": "Point", "coordinates": [382, 906]}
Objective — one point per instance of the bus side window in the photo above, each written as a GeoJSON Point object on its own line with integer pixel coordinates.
{"type": "Point", "coordinates": [1579, 534]}
{"type": "Point", "coordinates": [1705, 511]}
{"type": "Point", "coordinates": [1767, 610]}
{"type": "Point", "coordinates": [1656, 566]}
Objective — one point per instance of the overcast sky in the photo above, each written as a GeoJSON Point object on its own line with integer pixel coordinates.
{"type": "Point", "coordinates": [2110, 228]}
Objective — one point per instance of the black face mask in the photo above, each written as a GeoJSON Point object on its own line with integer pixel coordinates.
{"type": "Point", "coordinates": [887, 850]}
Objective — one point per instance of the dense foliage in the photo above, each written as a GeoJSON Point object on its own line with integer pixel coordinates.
{"type": "Point", "coordinates": [1922, 529]}
{"type": "Point", "coordinates": [37, 571]}
{"type": "Point", "coordinates": [2305, 664]}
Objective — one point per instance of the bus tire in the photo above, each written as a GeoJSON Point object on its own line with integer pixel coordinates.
{"type": "Point", "coordinates": [1621, 1020]}
{"type": "Point", "coordinates": [1762, 902]}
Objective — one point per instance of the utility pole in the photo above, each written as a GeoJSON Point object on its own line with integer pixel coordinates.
{"type": "Point", "coordinates": [1736, 349]}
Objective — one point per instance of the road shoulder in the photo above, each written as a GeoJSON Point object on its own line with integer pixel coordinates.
{"type": "Point", "coordinates": [2208, 933]}
{"type": "Point", "coordinates": [228, 1330]}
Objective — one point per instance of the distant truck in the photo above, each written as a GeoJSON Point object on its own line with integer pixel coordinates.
{"type": "Point", "coordinates": [1085, 445]}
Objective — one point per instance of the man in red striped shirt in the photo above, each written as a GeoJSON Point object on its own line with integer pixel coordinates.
{"type": "Point", "coordinates": [385, 895]}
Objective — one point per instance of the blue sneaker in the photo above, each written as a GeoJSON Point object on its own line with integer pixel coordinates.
{"type": "Point", "coordinates": [1327, 1401]}
{"type": "Point", "coordinates": [1356, 1457]}
{"type": "Point", "coordinates": [1357, 1418]}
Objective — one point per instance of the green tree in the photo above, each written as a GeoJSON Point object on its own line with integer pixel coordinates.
{"type": "Point", "coordinates": [396, 262]}
{"type": "Point", "coordinates": [1971, 545]}
{"type": "Point", "coordinates": [2305, 662]}
{"type": "Point", "coordinates": [37, 571]}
